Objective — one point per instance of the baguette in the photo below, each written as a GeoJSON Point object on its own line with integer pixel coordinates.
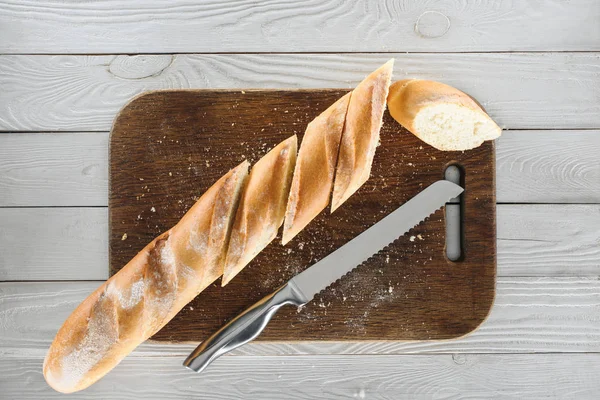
{"type": "Point", "coordinates": [440, 115]}
{"type": "Point", "coordinates": [361, 133]}
{"type": "Point", "coordinates": [261, 208]}
{"type": "Point", "coordinates": [219, 235]}
{"type": "Point", "coordinates": [315, 169]}
{"type": "Point", "coordinates": [148, 292]}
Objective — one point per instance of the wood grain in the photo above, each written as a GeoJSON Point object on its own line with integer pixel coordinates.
{"type": "Point", "coordinates": [301, 26]}
{"type": "Point", "coordinates": [58, 169]}
{"type": "Point", "coordinates": [564, 242]}
{"type": "Point", "coordinates": [158, 144]}
{"type": "Point", "coordinates": [479, 376]}
{"type": "Point", "coordinates": [529, 315]}
{"type": "Point", "coordinates": [529, 243]}
{"type": "Point", "coordinates": [84, 93]}
{"type": "Point", "coordinates": [53, 243]}
{"type": "Point", "coordinates": [547, 166]}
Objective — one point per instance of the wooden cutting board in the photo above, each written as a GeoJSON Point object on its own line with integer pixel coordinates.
{"type": "Point", "coordinates": [168, 147]}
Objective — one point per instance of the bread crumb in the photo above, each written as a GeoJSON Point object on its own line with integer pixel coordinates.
{"type": "Point", "coordinates": [207, 164]}
{"type": "Point", "coordinates": [170, 174]}
{"type": "Point", "coordinates": [243, 92]}
{"type": "Point", "coordinates": [390, 289]}
{"type": "Point", "coordinates": [141, 179]}
{"type": "Point", "coordinates": [289, 251]}
{"type": "Point", "coordinates": [191, 308]}
{"type": "Point", "coordinates": [412, 238]}
{"type": "Point", "coordinates": [420, 237]}
{"type": "Point", "coordinates": [153, 209]}
{"type": "Point", "coordinates": [124, 237]}
{"type": "Point", "coordinates": [233, 124]}
{"type": "Point", "coordinates": [387, 259]}
{"type": "Point", "coordinates": [139, 216]}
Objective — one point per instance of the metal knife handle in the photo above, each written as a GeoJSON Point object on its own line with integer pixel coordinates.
{"type": "Point", "coordinates": [243, 328]}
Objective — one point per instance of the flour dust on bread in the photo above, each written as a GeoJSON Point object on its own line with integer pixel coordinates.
{"type": "Point", "coordinates": [315, 168]}
{"type": "Point", "coordinates": [262, 207]}
{"type": "Point", "coordinates": [146, 293]}
{"type": "Point", "coordinates": [440, 115]}
{"type": "Point", "coordinates": [360, 137]}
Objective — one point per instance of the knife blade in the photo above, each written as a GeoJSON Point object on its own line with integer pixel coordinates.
{"type": "Point", "coordinates": [303, 287]}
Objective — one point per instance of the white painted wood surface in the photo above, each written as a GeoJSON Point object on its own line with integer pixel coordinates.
{"type": "Point", "coordinates": [53, 243]}
{"type": "Point", "coordinates": [529, 315]}
{"type": "Point", "coordinates": [546, 166]}
{"type": "Point", "coordinates": [419, 377]}
{"type": "Point", "coordinates": [53, 169]}
{"type": "Point", "coordinates": [165, 26]}
{"type": "Point", "coordinates": [72, 243]}
{"type": "Point", "coordinates": [542, 338]}
{"type": "Point", "coordinates": [83, 93]}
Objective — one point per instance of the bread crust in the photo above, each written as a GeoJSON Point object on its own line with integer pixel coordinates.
{"type": "Point", "coordinates": [360, 137]}
{"type": "Point", "coordinates": [262, 207]}
{"type": "Point", "coordinates": [410, 96]}
{"type": "Point", "coordinates": [147, 293]}
{"type": "Point", "coordinates": [315, 168]}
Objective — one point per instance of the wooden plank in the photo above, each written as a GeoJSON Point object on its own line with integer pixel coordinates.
{"type": "Point", "coordinates": [409, 291]}
{"type": "Point", "coordinates": [530, 315]}
{"type": "Point", "coordinates": [71, 243]}
{"type": "Point", "coordinates": [58, 169]}
{"type": "Point", "coordinates": [537, 240]}
{"type": "Point", "coordinates": [83, 93]}
{"type": "Point", "coordinates": [548, 167]}
{"type": "Point", "coordinates": [479, 376]}
{"type": "Point", "coordinates": [53, 243]}
{"type": "Point", "coordinates": [545, 166]}
{"type": "Point", "coordinates": [309, 26]}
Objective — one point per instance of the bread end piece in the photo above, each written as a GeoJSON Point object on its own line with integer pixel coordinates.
{"type": "Point", "coordinates": [146, 293]}
{"type": "Point", "coordinates": [315, 168]}
{"type": "Point", "coordinates": [261, 208]}
{"type": "Point", "coordinates": [361, 133]}
{"type": "Point", "coordinates": [440, 115]}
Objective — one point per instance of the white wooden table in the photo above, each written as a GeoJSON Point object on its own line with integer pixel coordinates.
{"type": "Point", "coordinates": [66, 67]}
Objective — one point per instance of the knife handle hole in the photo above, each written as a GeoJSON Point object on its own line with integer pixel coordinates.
{"type": "Point", "coordinates": [454, 212]}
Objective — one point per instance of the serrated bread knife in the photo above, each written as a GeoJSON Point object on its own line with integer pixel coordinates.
{"type": "Point", "coordinates": [303, 287]}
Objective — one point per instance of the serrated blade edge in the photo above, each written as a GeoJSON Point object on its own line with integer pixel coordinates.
{"type": "Point", "coordinates": [358, 250]}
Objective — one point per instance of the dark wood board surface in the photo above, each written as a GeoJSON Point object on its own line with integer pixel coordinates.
{"type": "Point", "coordinates": [168, 147]}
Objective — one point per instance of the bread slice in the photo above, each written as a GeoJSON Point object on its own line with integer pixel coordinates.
{"type": "Point", "coordinates": [262, 207]}
{"type": "Point", "coordinates": [315, 168]}
{"type": "Point", "coordinates": [440, 115]}
{"type": "Point", "coordinates": [361, 133]}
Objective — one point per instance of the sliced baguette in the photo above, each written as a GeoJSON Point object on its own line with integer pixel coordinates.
{"type": "Point", "coordinates": [147, 293]}
{"type": "Point", "coordinates": [361, 133]}
{"type": "Point", "coordinates": [315, 168]}
{"type": "Point", "coordinates": [440, 115]}
{"type": "Point", "coordinates": [262, 207]}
